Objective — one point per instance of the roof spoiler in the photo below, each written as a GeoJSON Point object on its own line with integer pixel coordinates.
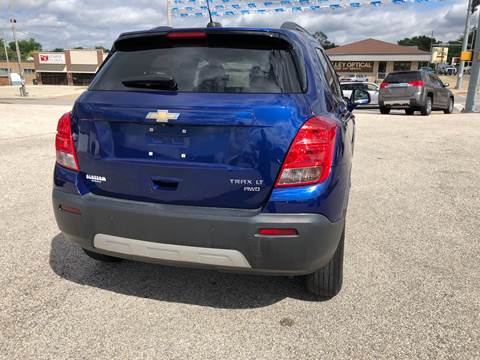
{"type": "Point", "coordinates": [290, 25]}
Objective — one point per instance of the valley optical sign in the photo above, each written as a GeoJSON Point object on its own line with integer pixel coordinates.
{"type": "Point", "coordinates": [51, 58]}
{"type": "Point", "coordinates": [353, 66]}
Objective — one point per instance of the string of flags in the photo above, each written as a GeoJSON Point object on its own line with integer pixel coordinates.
{"type": "Point", "coordinates": [198, 8]}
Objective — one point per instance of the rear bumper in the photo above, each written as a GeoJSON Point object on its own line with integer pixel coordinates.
{"type": "Point", "coordinates": [393, 102]}
{"type": "Point", "coordinates": [217, 238]}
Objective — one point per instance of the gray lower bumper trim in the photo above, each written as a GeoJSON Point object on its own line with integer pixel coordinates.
{"type": "Point", "coordinates": [170, 252]}
{"type": "Point", "coordinates": [396, 102]}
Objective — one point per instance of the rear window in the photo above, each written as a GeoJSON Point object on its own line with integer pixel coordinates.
{"type": "Point", "coordinates": [403, 77]}
{"type": "Point", "coordinates": [205, 69]}
{"type": "Point", "coordinates": [357, 86]}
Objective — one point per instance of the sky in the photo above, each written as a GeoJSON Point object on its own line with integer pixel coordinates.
{"type": "Point", "coordinates": [86, 23]}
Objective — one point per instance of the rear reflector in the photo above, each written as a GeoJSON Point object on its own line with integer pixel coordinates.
{"type": "Point", "coordinates": [70, 209]}
{"type": "Point", "coordinates": [64, 146]}
{"type": "Point", "coordinates": [186, 35]}
{"type": "Point", "coordinates": [278, 232]}
{"type": "Point", "coordinates": [309, 159]}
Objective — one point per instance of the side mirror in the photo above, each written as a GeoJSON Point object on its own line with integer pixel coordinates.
{"type": "Point", "coordinates": [358, 97]}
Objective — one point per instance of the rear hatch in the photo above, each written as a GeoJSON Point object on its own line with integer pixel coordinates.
{"type": "Point", "coordinates": [401, 84]}
{"type": "Point", "coordinates": [191, 120]}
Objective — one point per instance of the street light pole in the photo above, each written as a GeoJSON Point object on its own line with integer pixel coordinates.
{"type": "Point", "coordinates": [464, 46]}
{"type": "Point", "coordinates": [23, 90]}
{"type": "Point", "coordinates": [6, 58]}
{"type": "Point", "coordinates": [474, 74]}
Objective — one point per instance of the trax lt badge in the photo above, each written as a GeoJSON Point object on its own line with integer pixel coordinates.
{"type": "Point", "coordinates": [162, 116]}
{"type": "Point", "coordinates": [249, 185]}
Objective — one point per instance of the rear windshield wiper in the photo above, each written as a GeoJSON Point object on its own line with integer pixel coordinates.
{"type": "Point", "coordinates": [158, 81]}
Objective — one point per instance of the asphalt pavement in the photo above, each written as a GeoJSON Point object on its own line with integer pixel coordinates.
{"type": "Point", "coordinates": [411, 286]}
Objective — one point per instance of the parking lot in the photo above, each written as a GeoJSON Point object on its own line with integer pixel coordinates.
{"type": "Point", "coordinates": [411, 282]}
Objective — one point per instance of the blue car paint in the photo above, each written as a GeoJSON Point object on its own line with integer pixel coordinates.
{"type": "Point", "coordinates": [95, 112]}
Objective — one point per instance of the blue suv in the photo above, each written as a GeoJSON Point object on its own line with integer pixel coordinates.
{"type": "Point", "coordinates": [222, 148]}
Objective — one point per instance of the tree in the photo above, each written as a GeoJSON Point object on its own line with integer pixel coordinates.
{"type": "Point", "coordinates": [100, 47]}
{"type": "Point", "coordinates": [11, 54]}
{"type": "Point", "coordinates": [475, 4]}
{"type": "Point", "coordinates": [422, 42]}
{"type": "Point", "coordinates": [455, 46]}
{"type": "Point", "coordinates": [26, 47]}
{"type": "Point", "coordinates": [58, 50]}
{"type": "Point", "coordinates": [323, 40]}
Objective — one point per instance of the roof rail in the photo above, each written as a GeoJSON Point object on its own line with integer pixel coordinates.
{"type": "Point", "coordinates": [290, 25]}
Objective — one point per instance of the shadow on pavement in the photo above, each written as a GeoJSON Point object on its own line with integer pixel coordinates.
{"type": "Point", "coordinates": [180, 285]}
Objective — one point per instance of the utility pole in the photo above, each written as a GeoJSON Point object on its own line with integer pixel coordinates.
{"type": "Point", "coordinates": [23, 90]}
{"type": "Point", "coordinates": [473, 37]}
{"type": "Point", "coordinates": [474, 74]}
{"type": "Point", "coordinates": [464, 45]}
{"type": "Point", "coordinates": [431, 52]}
{"type": "Point", "coordinates": [6, 58]}
{"type": "Point", "coordinates": [169, 12]}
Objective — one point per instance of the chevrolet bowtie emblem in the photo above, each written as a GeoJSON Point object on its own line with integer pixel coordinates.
{"type": "Point", "coordinates": [162, 116]}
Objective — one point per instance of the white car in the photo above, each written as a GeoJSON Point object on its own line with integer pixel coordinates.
{"type": "Point", "coordinates": [370, 87]}
{"type": "Point", "coordinates": [449, 70]}
{"type": "Point", "coordinates": [354, 77]}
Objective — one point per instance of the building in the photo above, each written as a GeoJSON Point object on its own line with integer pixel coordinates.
{"type": "Point", "coordinates": [374, 58]}
{"type": "Point", "coordinates": [28, 68]}
{"type": "Point", "coordinates": [70, 67]}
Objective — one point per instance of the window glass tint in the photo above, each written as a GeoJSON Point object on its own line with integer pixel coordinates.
{"type": "Point", "coordinates": [323, 60]}
{"type": "Point", "coordinates": [346, 86]}
{"type": "Point", "coordinates": [206, 69]}
{"type": "Point", "coordinates": [403, 77]}
{"type": "Point", "coordinates": [330, 74]}
{"type": "Point", "coordinates": [354, 86]}
{"type": "Point", "coordinates": [401, 65]}
{"type": "Point", "coordinates": [436, 81]}
{"type": "Point", "coordinates": [372, 87]}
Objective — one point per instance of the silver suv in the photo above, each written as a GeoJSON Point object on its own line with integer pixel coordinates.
{"type": "Point", "coordinates": [414, 91]}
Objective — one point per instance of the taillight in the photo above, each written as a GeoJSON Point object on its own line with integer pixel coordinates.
{"type": "Point", "coordinates": [384, 85]}
{"type": "Point", "coordinates": [416, 83]}
{"type": "Point", "coordinates": [64, 146]}
{"type": "Point", "coordinates": [186, 35]}
{"type": "Point", "coordinates": [310, 157]}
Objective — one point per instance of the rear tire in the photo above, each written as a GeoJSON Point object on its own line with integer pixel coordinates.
{"type": "Point", "coordinates": [327, 281]}
{"type": "Point", "coordinates": [427, 107]}
{"type": "Point", "coordinates": [409, 111]}
{"type": "Point", "coordinates": [384, 110]}
{"type": "Point", "coordinates": [449, 109]}
{"type": "Point", "coordinates": [101, 257]}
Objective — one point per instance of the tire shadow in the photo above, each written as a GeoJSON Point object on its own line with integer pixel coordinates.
{"type": "Point", "coordinates": [181, 285]}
